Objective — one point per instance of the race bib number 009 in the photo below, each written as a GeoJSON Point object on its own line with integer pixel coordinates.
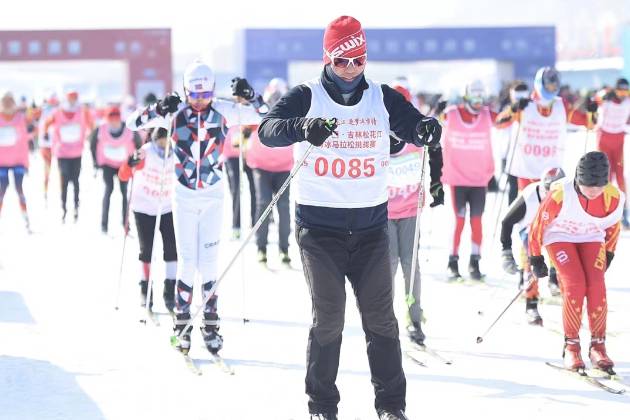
{"type": "Point", "coordinates": [537, 150]}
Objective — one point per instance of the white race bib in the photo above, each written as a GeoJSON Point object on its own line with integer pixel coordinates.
{"type": "Point", "coordinates": [540, 142]}
{"type": "Point", "coordinates": [350, 169]}
{"type": "Point", "coordinates": [115, 153]}
{"type": "Point", "coordinates": [405, 170]}
{"type": "Point", "coordinates": [70, 133]}
{"type": "Point", "coordinates": [8, 136]}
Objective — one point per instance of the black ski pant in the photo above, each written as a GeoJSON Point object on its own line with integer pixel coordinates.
{"type": "Point", "coordinates": [109, 174]}
{"type": "Point", "coordinates": [146, 225]}
{"type": "Point", "coordinates": [231, 168]}
{"type": "Point", "coordinates": [69, 169]}
{"type": "Point", "coordinates": [328, 258]}
{"type": "Point", "coordinates": [267, 184]}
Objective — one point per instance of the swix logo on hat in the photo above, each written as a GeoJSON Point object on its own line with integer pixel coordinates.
{"type": "Point", "coordinates": [355, 41]}
{"type": "Point", "coordinates": [344, 37]}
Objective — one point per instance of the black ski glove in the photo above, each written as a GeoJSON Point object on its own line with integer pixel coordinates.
{"type": "Point", "coordinates": [247, 132]}
{"type": "Point", "coordinates": [591, 105]}
{"type": "Point", "coordinates": [242, 88]}
{"type": "Point", "coordinates": [437, 192]}
{"type": "Point", "coordinates": [428, 132]}
{"type": "Point", "coordinates": [441, 106]}
{"type": "Point", "coordinates": [521, 104]}
{"type": "Point", "coordinates": [610, 95]}
{"type": "Point", "coordinates": [168, 105]}
{"type": "Point", "coordinates": [539, 268]}
{"type": "Point", "coordinates": [317, 130]}
{"type": "Point", "coordinates": [134, 159]}
{"type": "Point", "coordinates": [508, 263]}
{"type": "Point", "coordinates": [609, 258]}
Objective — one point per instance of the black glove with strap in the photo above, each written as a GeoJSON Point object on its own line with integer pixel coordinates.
{"type": "Point", "coordinates": [134, 159]}
{"type": "Point", "coordinates": [610, 95]}
{"type": "Point", "coordinates": [441, 106]}
{"type": "Point", "coordinates": [591, 105]}
{"type": "Point", "coordinates": [168, 105]}
{"type": "Point", "coordinates": [609, 257]}
{"type": "Point", "coordinates": [437, 192]}
{"type": "Point", "coordinates": [520, 105]}
{"type": "Point", "coordinates": [539, 268]}
{"type": "Point", "coordinates": [317, 130]}
{"type": "Point", "coordinates": [242, 88]}
{"type": "Point", "coordinates": [428, 132]}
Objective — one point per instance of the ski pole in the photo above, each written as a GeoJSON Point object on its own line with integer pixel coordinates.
{"type": "Point", "coordinates": [589, 119]}
{"type": "Point", "coordinates": [158, 216]}
{"type": "Point", "coordinates": [508, 168]}
{"type": "Point", "coordinates": [520, 292]}
{"type": "Point", "coordinates": [416, 234]}
{"type": "Point", "coordinates": [241, 174]}
{"type": "Point", "coordinates": [122, 254]}
{"type": "Point", "coordinates": [261, 219]}
{"type": "Point", "coordinates": [429, 235]}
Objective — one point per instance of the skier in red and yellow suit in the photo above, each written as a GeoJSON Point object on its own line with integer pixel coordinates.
{"type": "Point", "coordinates": [578, 223]}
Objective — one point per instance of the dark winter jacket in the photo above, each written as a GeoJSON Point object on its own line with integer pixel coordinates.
{"type": "Point", "coordinates": [282, 126]}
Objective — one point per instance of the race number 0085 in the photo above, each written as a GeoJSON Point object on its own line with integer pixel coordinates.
{"type": "Point", "coordinates": [339, 167]}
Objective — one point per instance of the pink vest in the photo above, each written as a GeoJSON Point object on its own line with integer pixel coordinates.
{"type": "Point", "coordinates": [69, 134]}
{"type": "Point", "coordinates": [13, 141]}
{"type": "Point", "coordinates": [271, 159]}
{"type": "Point", "coordinates": [113, 151]}
{"type": "Point", "coordinates": [403, 182]}
{"type": "Point", "coordinates": [468, 159]}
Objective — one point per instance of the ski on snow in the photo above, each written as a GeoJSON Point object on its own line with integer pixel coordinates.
{"type": "Point", "coordinates": [593, 380]}
{"type": "Point", "coordinates": [413, 356]}
{"type": "Point", "coordinates": [430, 352]}
{"type": "Point", "coordinates": [153, 317]}
{"type": "Point", "coordinates": [417, 349]}
{"type": "Point", "coordinates": [610, 375]}
{"type": "Point", "coordinates": [221, 364]}
{"type": "Point", "coordinates": [190, 364]}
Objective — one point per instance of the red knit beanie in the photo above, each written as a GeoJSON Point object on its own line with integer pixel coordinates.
{"type": "Point", "coordinates": [344, 37]}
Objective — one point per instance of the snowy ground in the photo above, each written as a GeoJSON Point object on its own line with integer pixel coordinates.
{"type": "Point", "coordinates": [65, 353]}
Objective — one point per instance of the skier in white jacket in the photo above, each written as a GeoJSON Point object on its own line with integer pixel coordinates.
{"type": "Point", "coordinates": [197, 138]}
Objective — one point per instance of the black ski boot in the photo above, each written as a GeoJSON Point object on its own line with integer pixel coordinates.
{"type": "Point", "coordinates": [285, 259]}
{"type": "Point", "coordinates": [392, 415]}
{"type": "Point", "coordinates": [76, 214]}
{"type": "Point", "coordinates": [415, 334]}
{"type": "Point", "coordinates": [144, 286]}
{"type": "Point", "coordinates": [210, 332]}
{"type": "Point", "coordinates": [262, 256]}
{"type": "Point", "coordinates": [554, 287]}
{"type": "Point", "coordinates": [179, 322]}
{"type": "Point", "coordinates": [169, 294]}
{"type": "Point", "coordinates": [324, 416]}
{"type": "Point", "coordinates": [453, 268]}
{"type": "Point", "coordinates": [531, 310]}
{"type": "Point", "coordinates": [473, 268]}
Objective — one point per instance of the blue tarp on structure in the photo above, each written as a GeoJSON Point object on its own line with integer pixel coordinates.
{"type": "Point", "coordinates": [269, 51]}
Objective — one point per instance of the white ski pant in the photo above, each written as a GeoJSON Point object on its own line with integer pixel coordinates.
{"type": "Point", "coordinates": [197, 216]}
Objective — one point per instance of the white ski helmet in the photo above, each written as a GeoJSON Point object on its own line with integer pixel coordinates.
{"type": "Point", "coordinates": [198, 77]}
{"type": "Point", "coordinates": [474, 95]}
